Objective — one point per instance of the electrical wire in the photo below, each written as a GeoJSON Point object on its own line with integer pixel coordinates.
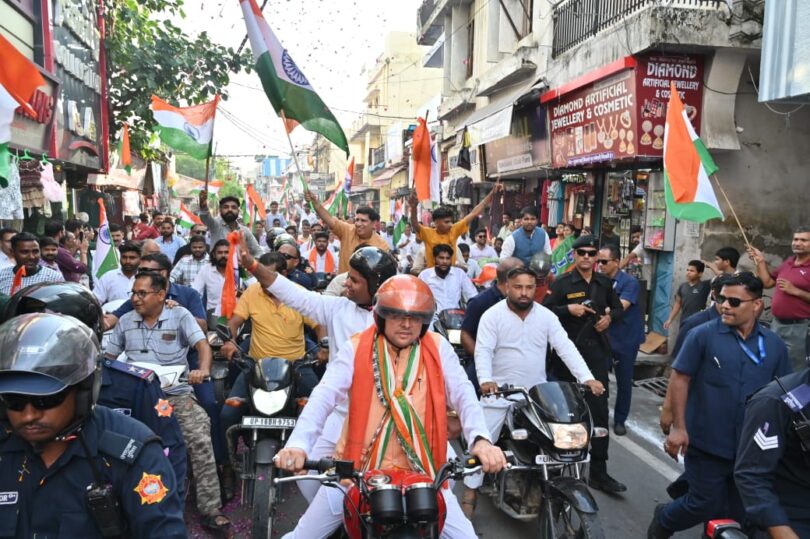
{"type": "Point", "coordinates": [787, 114]}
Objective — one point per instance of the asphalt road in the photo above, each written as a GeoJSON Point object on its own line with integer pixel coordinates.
{"type": "Point", "coordinates": [636, 459]}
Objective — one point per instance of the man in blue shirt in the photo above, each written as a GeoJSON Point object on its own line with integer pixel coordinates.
{"type": "Point", "coordinates": [625, 336]}
{"type": "Point", "coordinates": [721, 363]}
{"type": "Point", "coordinates": [168, 241]}
{"type": "Point", "coordinates": [188, 298]}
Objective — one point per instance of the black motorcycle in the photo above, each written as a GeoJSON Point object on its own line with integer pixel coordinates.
{"type": "Point", "coordinates": [545, 438]}
{"type": "Point", "coordinates": [273, 405]}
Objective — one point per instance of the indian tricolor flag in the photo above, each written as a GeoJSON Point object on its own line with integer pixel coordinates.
{"type": "Point", "coordinates": [124, 151]}
{"type": "Point", "coordinates": [213, 187]}
{"type": "Point", "coordinates": [187, 218]}
{"type": "Point", "coordinates": [289, 91]}
{"type": "Point", "coordinates": [19, 78]}
{"type": "Point", "coordinates": [338, 203]}
{"type": "Point", "coordinates": [186, 129]}
{"type": "Point", "coordinates": [105, 259]}
{"type": "Point", "coordinates": [687, 168]}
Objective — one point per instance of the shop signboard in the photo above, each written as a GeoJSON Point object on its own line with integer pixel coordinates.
{"type": "Point", "coordinates": [525, 148]}
{"type": "Point", "coordinates": [622, 116]}
{"type": "Point", "coordinates": [77, 44]}
{"type": "Point", "coordinates": [33, 132]}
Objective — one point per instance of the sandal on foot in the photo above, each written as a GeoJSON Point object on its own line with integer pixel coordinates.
{"type": "Point", "coordinates": [217, 521]}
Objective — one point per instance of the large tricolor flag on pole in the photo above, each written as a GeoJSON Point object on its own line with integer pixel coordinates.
{"type": "Point", "coordinates": [186, 129]}
{"type": "Point", "coordinates": [19, 77]}
{"type": "Point", "coordinates": [687, 168]}
{"type": "Point", "coordinates": [105, 259]}
{"type": "Point", "coordinates": [288, 90]}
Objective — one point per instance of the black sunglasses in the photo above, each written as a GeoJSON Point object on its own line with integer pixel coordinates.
{"type": "Point", "coordinates": [604, 262]}
{"type": "Point", "coordinates": [586, 252]}
{"type": "Point", "coordinates": [289, 257]}
{"type": "Point", "coordinates": [17, 403]}
{"type": "Point", "coordinates": [734, 302]}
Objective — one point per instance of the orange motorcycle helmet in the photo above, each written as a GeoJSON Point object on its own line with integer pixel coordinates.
{"type": "Point", "coordinates": [404, 295]}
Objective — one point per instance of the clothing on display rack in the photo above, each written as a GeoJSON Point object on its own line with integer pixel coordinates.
{"type": "Point", "coordinates": [11, 204]}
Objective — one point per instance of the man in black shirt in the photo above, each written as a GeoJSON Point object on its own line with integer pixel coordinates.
{"type": "Point", "coordinates": [586, 305]}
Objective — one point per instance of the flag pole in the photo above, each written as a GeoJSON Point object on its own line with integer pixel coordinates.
{"type": "Point", "coordinates": [733, 213]}
{"type": "Point", "coordinates": [292, 150]}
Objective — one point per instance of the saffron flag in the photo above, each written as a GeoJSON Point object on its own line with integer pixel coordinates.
{"type": "Point", "coordinates": [562, 257]}
{"type": "Point", "coordinates": [287, 88]}
{"type": "Point", "coordinates": [105, 259]}
{"type": "Point", "coordinates": [228, 301]}
{"type": "Point", "coordinates": [687, 168]}
{"type": "Point", "coordinates": [421, 160]}
{"type": "Point", "coordinates": [124, 151]}
{"type": "Point", "coordinates": [19, 78]}
{"type": "Point", "coordinates": [187, 218]}
{"type": "Point", "coordinates": [186, 129]}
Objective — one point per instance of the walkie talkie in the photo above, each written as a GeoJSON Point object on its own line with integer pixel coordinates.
{"type": "Point", "coordinates": [802, 426]}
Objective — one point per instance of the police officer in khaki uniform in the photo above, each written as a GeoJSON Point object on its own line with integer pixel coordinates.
{"type": "Point", "coordinates": [586, 305]}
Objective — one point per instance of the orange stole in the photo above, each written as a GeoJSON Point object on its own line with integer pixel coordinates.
{"type": "Point", "coordinates": [363, 390]}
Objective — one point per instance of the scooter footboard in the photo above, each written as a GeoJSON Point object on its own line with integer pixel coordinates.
{"type": "Point", "coordinates": [575, 491]}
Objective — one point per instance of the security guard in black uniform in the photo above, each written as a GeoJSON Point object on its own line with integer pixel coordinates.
{"type": "Point", "coordinates": [126, 389]}
{"type": "Point", "coordinates": [772, 470]}
{"type": "Point", "coordinates": [69, 468]}
{"type": "Point", "coordinates": [586, 304]}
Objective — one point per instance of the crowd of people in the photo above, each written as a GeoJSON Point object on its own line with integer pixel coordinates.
{"type": "Point", "coordinates": [375, 292]}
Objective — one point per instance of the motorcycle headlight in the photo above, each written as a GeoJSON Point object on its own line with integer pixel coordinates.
{"type": "Point", "coordinates": [454, 336]}
{"type": "Point", "coordinates": [270, 402]}
{"type": "Point", "coordinates": [569, 436]}
{"type": "Point", "coordinates": [213, 339]}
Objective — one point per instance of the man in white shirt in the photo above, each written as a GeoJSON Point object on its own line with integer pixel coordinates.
{"type": "Point", "coordinates": [273, 214]}
{"type": "Point", "coordinates": [448, 283]}
{"type": "Point", "coordinates": [321, 258]}
{"type": "Point", "coordinates": [512, 340]}
{"type": "Point", "coordinates": [117, 284]}
{"type": "Point", "coordinates": [343, 316]}
{"type": "Point", "coordinates": [480, 249]}
{"type": "Point", "coordinates": [210, 280]}
{"type": "Point", "coordinates": [307, 215]}
{"type": "Point", "coordinates": [6, 256]}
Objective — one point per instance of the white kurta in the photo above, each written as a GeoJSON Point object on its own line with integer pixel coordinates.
{"type": "Point", "coordinates": [449, 290]}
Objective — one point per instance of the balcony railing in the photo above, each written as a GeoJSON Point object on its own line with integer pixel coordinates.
{"type": "Point", "coordinates": [376, 159]}
{"type": "Point", "coordinates": [576, 21]}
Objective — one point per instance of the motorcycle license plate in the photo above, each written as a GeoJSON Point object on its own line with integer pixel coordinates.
{"type": "Point", "coordinates": [268, 422]}
{"type": "Point", "coordinates": [546, 459]}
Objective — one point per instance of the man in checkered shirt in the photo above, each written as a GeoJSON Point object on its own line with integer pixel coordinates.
{"type": "Point", "coordinates": [25, 249]}
{"type": "Point", "coordinates": [189, 266]}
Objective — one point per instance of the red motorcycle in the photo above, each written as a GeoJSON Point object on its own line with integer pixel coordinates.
{"type": "Point", "coordinates": [389, 503]}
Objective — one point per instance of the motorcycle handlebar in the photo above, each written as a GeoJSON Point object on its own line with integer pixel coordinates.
{"type": "Point", "coordinates": [319, 465]}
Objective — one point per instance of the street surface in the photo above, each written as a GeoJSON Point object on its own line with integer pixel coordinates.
{"type": "Point", "coordinates": [636, 459]}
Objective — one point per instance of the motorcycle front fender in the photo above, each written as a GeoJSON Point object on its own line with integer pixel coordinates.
{"type": "Point", "coordinates": [575, 492]}
{"type": "Point", "coordinates": [266, 449]}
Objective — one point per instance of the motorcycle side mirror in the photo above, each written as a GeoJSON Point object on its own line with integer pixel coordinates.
{"type": "Point", "coordinates": [599, 432]}
{"type": "Point", "coordinates": [224, 332]}
{"type": "Point", "coordinates": [520, 434]}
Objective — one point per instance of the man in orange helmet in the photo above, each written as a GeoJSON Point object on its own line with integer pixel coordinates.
{"type": "Point", "coordinates": [394, 369]}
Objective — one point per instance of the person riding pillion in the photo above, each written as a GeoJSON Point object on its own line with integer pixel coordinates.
{"type": "Point", "coordinates": [393, 370]}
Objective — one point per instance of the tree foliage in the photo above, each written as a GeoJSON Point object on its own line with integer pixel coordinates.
{"type": "Point", "coordinates": [147, 54]}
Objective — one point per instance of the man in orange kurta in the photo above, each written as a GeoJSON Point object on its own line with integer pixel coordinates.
{"type": "Point", "coordinates": [392, 371]}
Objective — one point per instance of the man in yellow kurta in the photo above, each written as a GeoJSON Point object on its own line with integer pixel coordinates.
{"type": "Point", "coordinates": [392, 371]}
{"type": "Point", "coordinates": [446, 230]}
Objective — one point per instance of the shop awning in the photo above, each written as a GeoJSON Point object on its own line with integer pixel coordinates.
{"type": "Point", "coordinates": [118, 178]}
{"type": "Point", "coordinates": [361, 188]}
{"type": "Point", "coordinates": [494, 120]}
{"type": "Point", "coordinates": [385, 176]}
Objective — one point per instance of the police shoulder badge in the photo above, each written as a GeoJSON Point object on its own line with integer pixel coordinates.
{"type": "Point", "coordinates": [164, 408]}
{"type": "Point", "coordinates": [151, 489]}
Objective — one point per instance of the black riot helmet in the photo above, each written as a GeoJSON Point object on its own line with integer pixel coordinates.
{"type": "Point", "coordinates": [64, 298]}
{"type": "Point", "coordinates": [375, 265]}
{"type": "Point", "coordinates": [44, 354]}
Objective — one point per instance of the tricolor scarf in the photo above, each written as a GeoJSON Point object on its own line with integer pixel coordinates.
{"type": "Point", "coordinates": [424, 440]}
{"type": "Point", "coordinates": [328, 264]}
{"type": "Point", "coordinates": [228, 302]}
